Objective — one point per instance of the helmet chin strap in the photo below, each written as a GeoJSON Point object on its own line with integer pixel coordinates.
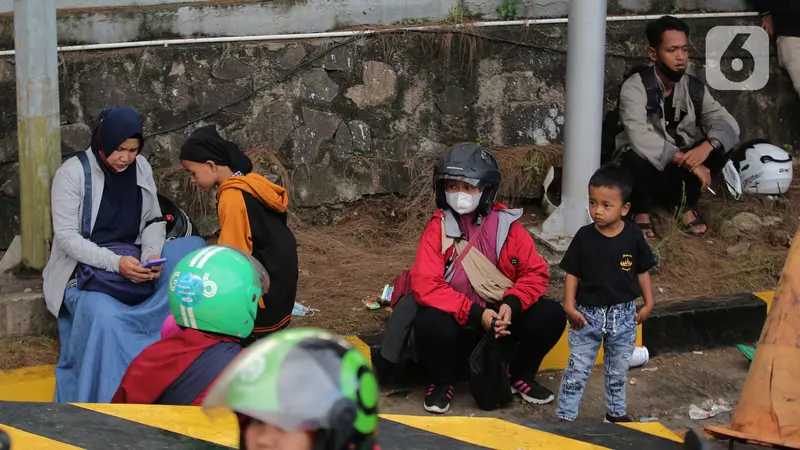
{"type": "Point", "coordinates": [323, 441]}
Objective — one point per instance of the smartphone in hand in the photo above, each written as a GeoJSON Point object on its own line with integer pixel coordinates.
{"type": "Point", "coordinates": [153, 263]}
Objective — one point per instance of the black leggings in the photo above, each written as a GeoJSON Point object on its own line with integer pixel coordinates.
{"type": "Point", "coordinates": [670, 188]}
{"type": "Point", "coordinates": [442, 343]}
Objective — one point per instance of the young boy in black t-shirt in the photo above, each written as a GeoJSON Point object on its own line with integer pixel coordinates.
{"type": "Point", "coordinates": [607, 267]}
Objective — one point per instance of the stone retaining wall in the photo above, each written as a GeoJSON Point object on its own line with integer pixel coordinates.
{"type": "Point", "coordinates": [363, 119]}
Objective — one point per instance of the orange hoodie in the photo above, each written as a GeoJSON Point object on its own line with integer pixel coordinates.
{"type": "Point", "coordinates": [234, 226]}
{"type": "Point", "coordinates": [252, 217]}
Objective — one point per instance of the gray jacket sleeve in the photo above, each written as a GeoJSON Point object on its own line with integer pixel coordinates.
{"type": "Point", "coordinates": [66, 198]}
{"type": "Point", "coordinates": [153, 236]}
{"type": "Point", "coordinates": [644, 139]}
{"type": "Point", "coordinates": [719, 123]}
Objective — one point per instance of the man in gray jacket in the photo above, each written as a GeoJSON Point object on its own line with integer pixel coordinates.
{"type": "Point", "coordinates": [671, 148]}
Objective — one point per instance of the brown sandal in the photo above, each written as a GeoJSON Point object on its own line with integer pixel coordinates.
{"type": "Point", "coordinates": [688, 228]}
{"type": "Point", "coordinates": [647, 230]}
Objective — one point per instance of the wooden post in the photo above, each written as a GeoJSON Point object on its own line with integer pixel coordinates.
{"type": "Point", "coordinates": [768, 412]}
{"type": "Point", "coordinates": [38, 123]}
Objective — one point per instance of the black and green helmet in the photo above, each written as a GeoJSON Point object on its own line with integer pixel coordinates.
{"type": "Point", "coordinates": [303, 379]}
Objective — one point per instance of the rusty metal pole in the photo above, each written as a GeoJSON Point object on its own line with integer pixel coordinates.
{"type": "Point", "coordinates": [768, 412]}
{"type": "Point", "coordinates": [38, 123]}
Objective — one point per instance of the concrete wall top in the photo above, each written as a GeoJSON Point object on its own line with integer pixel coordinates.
{"type": "Point", "coordinates": [407, 9]}
{"type": "Point", "coordinates": [8, 5]}
{"type": "Point", "coordinates": [92, 22]}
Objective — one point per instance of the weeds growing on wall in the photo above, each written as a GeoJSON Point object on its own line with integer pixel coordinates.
{"type": "Point", "coordinates": [508, 9]}
{"type": "Point", "coordinates": [459, 13]}
{"type": "Point", "coordinates": [522, 167]}
{"type": "Point", "coordinates": [195, 202]}
{"type": "Point", "coordinates": [268, 164]}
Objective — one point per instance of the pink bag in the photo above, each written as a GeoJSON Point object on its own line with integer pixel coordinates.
{"type": "Point", "coordinates": [170, 328]}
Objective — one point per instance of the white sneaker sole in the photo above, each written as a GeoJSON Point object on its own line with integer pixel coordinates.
{"type": "Point", "coordinates": [535, 401]}
{"type": "Point", "coordinates": [435, 409]}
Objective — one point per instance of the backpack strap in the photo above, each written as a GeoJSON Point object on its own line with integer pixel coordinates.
{"type": "Point", "coordinates": [652, 91]}
{"type": "Point", "coordinates": [696, 92]}
{"type": "Point", "coordinates": [86, 222]}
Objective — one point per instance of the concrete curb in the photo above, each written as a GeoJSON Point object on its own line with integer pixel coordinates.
{"type": "Point", "coordinates": [697, 324]}
{"type": "Point", "coordinates": [691, 325]}
{"type": "Point", "coordinates": [705, 323]}
{"type": "Point", "coordinates": [23, 314]}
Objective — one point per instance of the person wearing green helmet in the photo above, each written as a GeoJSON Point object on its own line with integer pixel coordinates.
{"type": "Point", "coordinates": [300, 389]}
{"type": "Point", "coordinates": [213, 295]}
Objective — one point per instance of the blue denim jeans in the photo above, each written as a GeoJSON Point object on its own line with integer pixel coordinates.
{"type": "Point", "coordinates": [615, 328]}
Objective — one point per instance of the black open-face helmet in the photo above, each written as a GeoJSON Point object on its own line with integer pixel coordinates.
{"type": "Point", "coordinates": [472, 164]}
{"type": "Point", "coordinates": [179, 225]}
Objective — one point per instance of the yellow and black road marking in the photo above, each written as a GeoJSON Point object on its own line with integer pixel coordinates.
{"type": "Point", "coordinates": [100, 426]}
{"type": "Point", "coordinates": [501, 434]}
{"type": "Point", "coordinates": [83, 428]}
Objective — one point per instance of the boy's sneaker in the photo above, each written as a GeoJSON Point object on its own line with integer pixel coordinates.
{"type": "Point", "coordinates": [611, 419]}
{"type": "Point", "coordinates": [437, 399]}
{"type": "Point", "coordinates": [531, 391]}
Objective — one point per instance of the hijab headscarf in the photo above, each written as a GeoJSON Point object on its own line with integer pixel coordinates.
{"type": "Point", "coordinates": [115, 126]}
{"type": "Point", "coordinates": [205, 144]}
{"type": "Point", "coordinates": [120, 210]}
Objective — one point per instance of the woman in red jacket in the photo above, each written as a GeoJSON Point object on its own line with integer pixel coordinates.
{"type": "Point", "coordinates": [453, 315]}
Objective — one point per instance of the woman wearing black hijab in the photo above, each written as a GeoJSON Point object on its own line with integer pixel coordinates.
{"type": "Point", "coordinates": [99, 333]}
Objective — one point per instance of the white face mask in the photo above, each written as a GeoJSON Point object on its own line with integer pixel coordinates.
{"type": "Point", "coordinates": [461, 202]}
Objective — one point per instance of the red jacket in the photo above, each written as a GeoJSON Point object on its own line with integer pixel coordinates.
{"type": "Point", "coordinates": [162, 363]}
{"type": "Point", "coordinates": [518, 261]}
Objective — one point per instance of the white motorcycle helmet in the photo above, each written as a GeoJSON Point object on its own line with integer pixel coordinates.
{"type": "Point", "coordinates": [764, 168]}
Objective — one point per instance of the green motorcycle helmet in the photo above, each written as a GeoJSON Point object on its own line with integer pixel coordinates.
{"type": "Point", "coordinates": [303, 379]}
{"type": "Point", "coordinates": [216, 289]}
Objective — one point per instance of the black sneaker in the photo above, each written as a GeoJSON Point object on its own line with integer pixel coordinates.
{"type": "Point", "coordinates": [531, 391]}
{"type": "Point", "coordinates": [437, 399]}
{"type": "Point", "coordinates": [611, 419]}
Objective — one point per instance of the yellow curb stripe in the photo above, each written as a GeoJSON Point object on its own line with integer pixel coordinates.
{"type": "Point", "coordinates": [361, 346]}
{"type": "Point", "coordinates": [767, 297]}
{"type": "Point", "coordinates": [491, 433]}
{"type": "Point", "coordinates": [654, 428]}
{"type": "Point", "coordinates": [24, 440]}
{"type": "Point", "coordinates": [558, 357]}
{"type": "Point", "coordinates": [186, 420]}
{"type": "Point", "coordinates": [38, 383]}
{"type": "Point", "coordinates": [29, 384]}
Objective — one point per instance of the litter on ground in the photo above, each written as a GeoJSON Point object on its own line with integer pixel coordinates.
{"type": "Point", "coordinates": [708, 409]}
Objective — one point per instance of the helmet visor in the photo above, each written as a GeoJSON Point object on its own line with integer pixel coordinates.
{"type": "Point", "coordinates": [473, 181]}
{"type": "Point", "coordinates": [287, 387]}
